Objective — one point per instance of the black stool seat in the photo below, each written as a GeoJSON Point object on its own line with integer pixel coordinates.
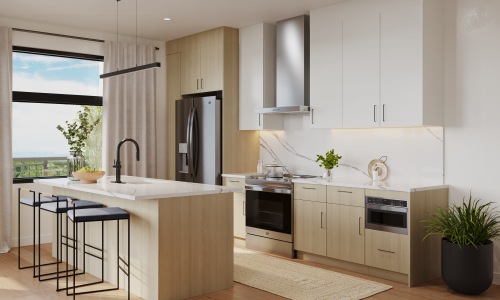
{"type": "Point", "coordinates": [63, 207]}
{"type": "Point", "coordinates": [36, 202]}
{"type": "Point", "coordinates": [98, 214]}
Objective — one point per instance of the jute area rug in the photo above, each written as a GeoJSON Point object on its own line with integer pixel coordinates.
{"type": "Point", "coordinates": [297, 281]}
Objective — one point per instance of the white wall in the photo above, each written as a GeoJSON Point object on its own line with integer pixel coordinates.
{"type": "Point", "coordinates": [87, 47]}
{"type": "Point", "coordinates": [472, 103]}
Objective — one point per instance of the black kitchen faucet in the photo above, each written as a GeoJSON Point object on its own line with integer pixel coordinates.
{"type": "Point", "coordinates": [117, 164]}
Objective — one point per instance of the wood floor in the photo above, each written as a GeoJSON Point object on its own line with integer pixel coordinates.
{"type": "Point", "coordinates": [19, 284]}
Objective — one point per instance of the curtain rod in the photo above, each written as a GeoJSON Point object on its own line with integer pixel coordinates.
{"type": "Point", "coordinates": [63, 35]}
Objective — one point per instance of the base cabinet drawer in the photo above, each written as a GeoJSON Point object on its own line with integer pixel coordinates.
{"type": "Point", "coordinates": [386, 250]}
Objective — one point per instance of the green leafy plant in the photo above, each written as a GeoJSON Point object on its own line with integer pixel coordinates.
{"type": "Point", "coordinates": [471, 223]}
{"type": "Point", "coordinates": [330, 160]}
{"type": "Point", "coordinates": [78, 132]}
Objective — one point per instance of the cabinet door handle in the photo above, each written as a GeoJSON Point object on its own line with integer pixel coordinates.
{"type": "Point", "coordinates": [259, 119]}
{"type": "Point", "coordinates": [374, 113]}
{"type": "Point", "coordinates": [197, 84]}
{"type": "Point", "coordinates": [321, 219]}
{"type": "Point", "coordinates": [359, 226]}
{"type": "Point", "coordinates": [383, 112]}
{"type": "Point", "coordinates": [244, 211]}
{"type": "Point", "coordinates": [347, 192]}
{"type": "Point", "coordinates": [308, 188]}
{"type": "Point", "coordinates": [386, 251]}
{"type": "Point", "coordinates": [312, 115]}
{"type": "Point", "coordinates": [202, 83]}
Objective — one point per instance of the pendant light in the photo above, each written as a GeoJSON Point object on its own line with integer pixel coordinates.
{"type": "Point", "coordinates": [136, 68]}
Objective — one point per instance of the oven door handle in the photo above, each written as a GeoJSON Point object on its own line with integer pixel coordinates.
{"type": "Point", "coordinates": [269, 189]}
{"type": "Point", "coordinates": [383, 207]}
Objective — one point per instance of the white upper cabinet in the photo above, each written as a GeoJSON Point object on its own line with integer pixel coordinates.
{"type": "Point", "coordinates": [325, 70]}
{"type": "Point", "coordinates": [391, 61]}
{"type": "Point", "coordinates": [258, 77]}
{"type": "Point", "coordinates": [361, 75]}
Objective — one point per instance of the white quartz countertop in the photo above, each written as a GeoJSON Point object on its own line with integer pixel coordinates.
{"type": "Point", "coordinates": [139, 188]}
{"type": "Point", "coordinates": [410, 186]}
{"type": "Point", "coordinates": [413, 186]}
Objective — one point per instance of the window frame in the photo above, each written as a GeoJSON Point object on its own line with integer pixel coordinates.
{"type": "Point", "coordinates": [53, 98]}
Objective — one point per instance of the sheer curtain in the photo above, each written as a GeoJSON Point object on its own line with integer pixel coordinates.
{"type": "Point", "coordinates": [5, 137]}
{"type": "Point", "coordinates": [129, 109]}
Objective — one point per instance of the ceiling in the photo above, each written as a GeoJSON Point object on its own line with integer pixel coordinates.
{"type": "Point", "coordinates": [188, 16]}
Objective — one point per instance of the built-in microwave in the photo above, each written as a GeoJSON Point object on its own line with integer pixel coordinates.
{"type": "Point", "coordinates": [389, 215]}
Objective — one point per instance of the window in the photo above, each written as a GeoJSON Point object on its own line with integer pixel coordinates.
{"type": "Point", "coordinates": [50, 87]}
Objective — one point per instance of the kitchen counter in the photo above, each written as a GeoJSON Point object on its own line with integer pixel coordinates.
{"type": "Point", "coordinates": [412, 186]}
{"type": "Point", "coordinates": [139, 188]}
{"type": "Point", "coordinates": [181, 234]}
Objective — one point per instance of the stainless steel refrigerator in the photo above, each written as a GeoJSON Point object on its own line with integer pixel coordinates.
{"type": "Point", "coordinates": [198, 140]}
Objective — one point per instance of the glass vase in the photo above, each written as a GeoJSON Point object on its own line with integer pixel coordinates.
{"type": "Point", "coordinates": [328, 175]}
{"type": "Point", "coordinates": [76, 161]}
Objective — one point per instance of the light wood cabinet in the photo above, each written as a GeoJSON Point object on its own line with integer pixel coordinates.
{"type": "Point", "coordinates": [258, 77]}
{"type": "Point", "coordinates": [346, 224]}
{"type": "Point", "coordinates": [388, 251]}
{"type": "Point", "coordinates": [239, 205]}
{"type": "Point", "coordinates": [309, 192]}
{"type": "Point", "coordinates": [310, 226]}
{"type": "Point", "coordinates": [201, 63]}
{"type": "Point", "coordinates": [310, 218]}
{"type": "Point", "coordinates": [325, 71]}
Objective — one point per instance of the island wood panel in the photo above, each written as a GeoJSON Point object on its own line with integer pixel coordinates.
{"type": "Point", "coordinates": [173, 93]}
{"type": "Point", "coordinates": [425, 256]}
{"type": "Point", "coordinates": [196, 242]}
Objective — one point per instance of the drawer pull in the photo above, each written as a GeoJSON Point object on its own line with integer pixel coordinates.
{"type": "Point", "coordinates": [308, 188]}
{"type": "Point", "coordinates": [386, 251]}
{"type": "Point", "coordinates": [234, 181]}
{"type": "Point", "coordinates": [347, 192]}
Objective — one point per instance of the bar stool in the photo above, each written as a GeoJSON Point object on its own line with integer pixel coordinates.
{"type": "Point", "coordinates": [33, 203]}
{"type": "Point", "coordinates": [59, 208]}
{"type": "Point", "coordinates": [95, 215]}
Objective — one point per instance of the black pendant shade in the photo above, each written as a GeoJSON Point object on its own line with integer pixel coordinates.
{"type": "Point", "coordinates": [131, 70]}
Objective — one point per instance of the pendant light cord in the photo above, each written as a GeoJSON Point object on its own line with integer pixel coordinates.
{"type": "Point", "coordinates": [136, 52]}
{"type": "Point", "coordinates": [117, 48]}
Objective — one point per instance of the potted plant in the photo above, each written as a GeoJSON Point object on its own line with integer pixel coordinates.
{"type": "Point", "coordinates": [329, 161]}
{"type": "Point", "coordinates": [466, 247]}
{"type": "Point", "coordinates": [77, 134]}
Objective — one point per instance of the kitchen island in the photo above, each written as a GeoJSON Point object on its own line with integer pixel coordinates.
{"type": "Point", "coordinates": [181, 234]}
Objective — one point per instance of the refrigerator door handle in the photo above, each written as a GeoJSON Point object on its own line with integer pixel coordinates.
{"type": "Point", "coordinates": [195, 134]}
{"type": "Point", "coordinates": [189, 140]}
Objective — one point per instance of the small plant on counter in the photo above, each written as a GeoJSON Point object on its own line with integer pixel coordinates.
{"type": "Point", "coordinates": [330, 160]}
{"type": "Point", "coordinates": [78, 132]}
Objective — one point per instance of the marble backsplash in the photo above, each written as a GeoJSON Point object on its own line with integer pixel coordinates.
{"type": "Point", "coordinates": [413, 154]}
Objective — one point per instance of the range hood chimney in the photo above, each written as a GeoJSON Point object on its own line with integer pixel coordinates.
{"type": "Point", "coordinates": [292, 67]}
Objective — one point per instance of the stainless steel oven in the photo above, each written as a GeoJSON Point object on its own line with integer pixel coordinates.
{"type": "Point", "coordinates": [386, 215]}
{"type": "Point", "coordinates": [269, 214]}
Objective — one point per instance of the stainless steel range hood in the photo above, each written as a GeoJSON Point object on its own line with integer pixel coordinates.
{"type": "Point", "coordinates": [292, 67]}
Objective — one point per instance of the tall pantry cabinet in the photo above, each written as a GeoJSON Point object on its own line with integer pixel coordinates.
{"type": "Point", "coordinates": [209, 62]}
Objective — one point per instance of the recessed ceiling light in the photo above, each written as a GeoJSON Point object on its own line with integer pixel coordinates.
{"type": "Point", "coordinates": [167, 19]}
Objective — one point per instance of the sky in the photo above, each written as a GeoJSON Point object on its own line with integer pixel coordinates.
{"type": "Point", "coordinates": [34, 125]}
